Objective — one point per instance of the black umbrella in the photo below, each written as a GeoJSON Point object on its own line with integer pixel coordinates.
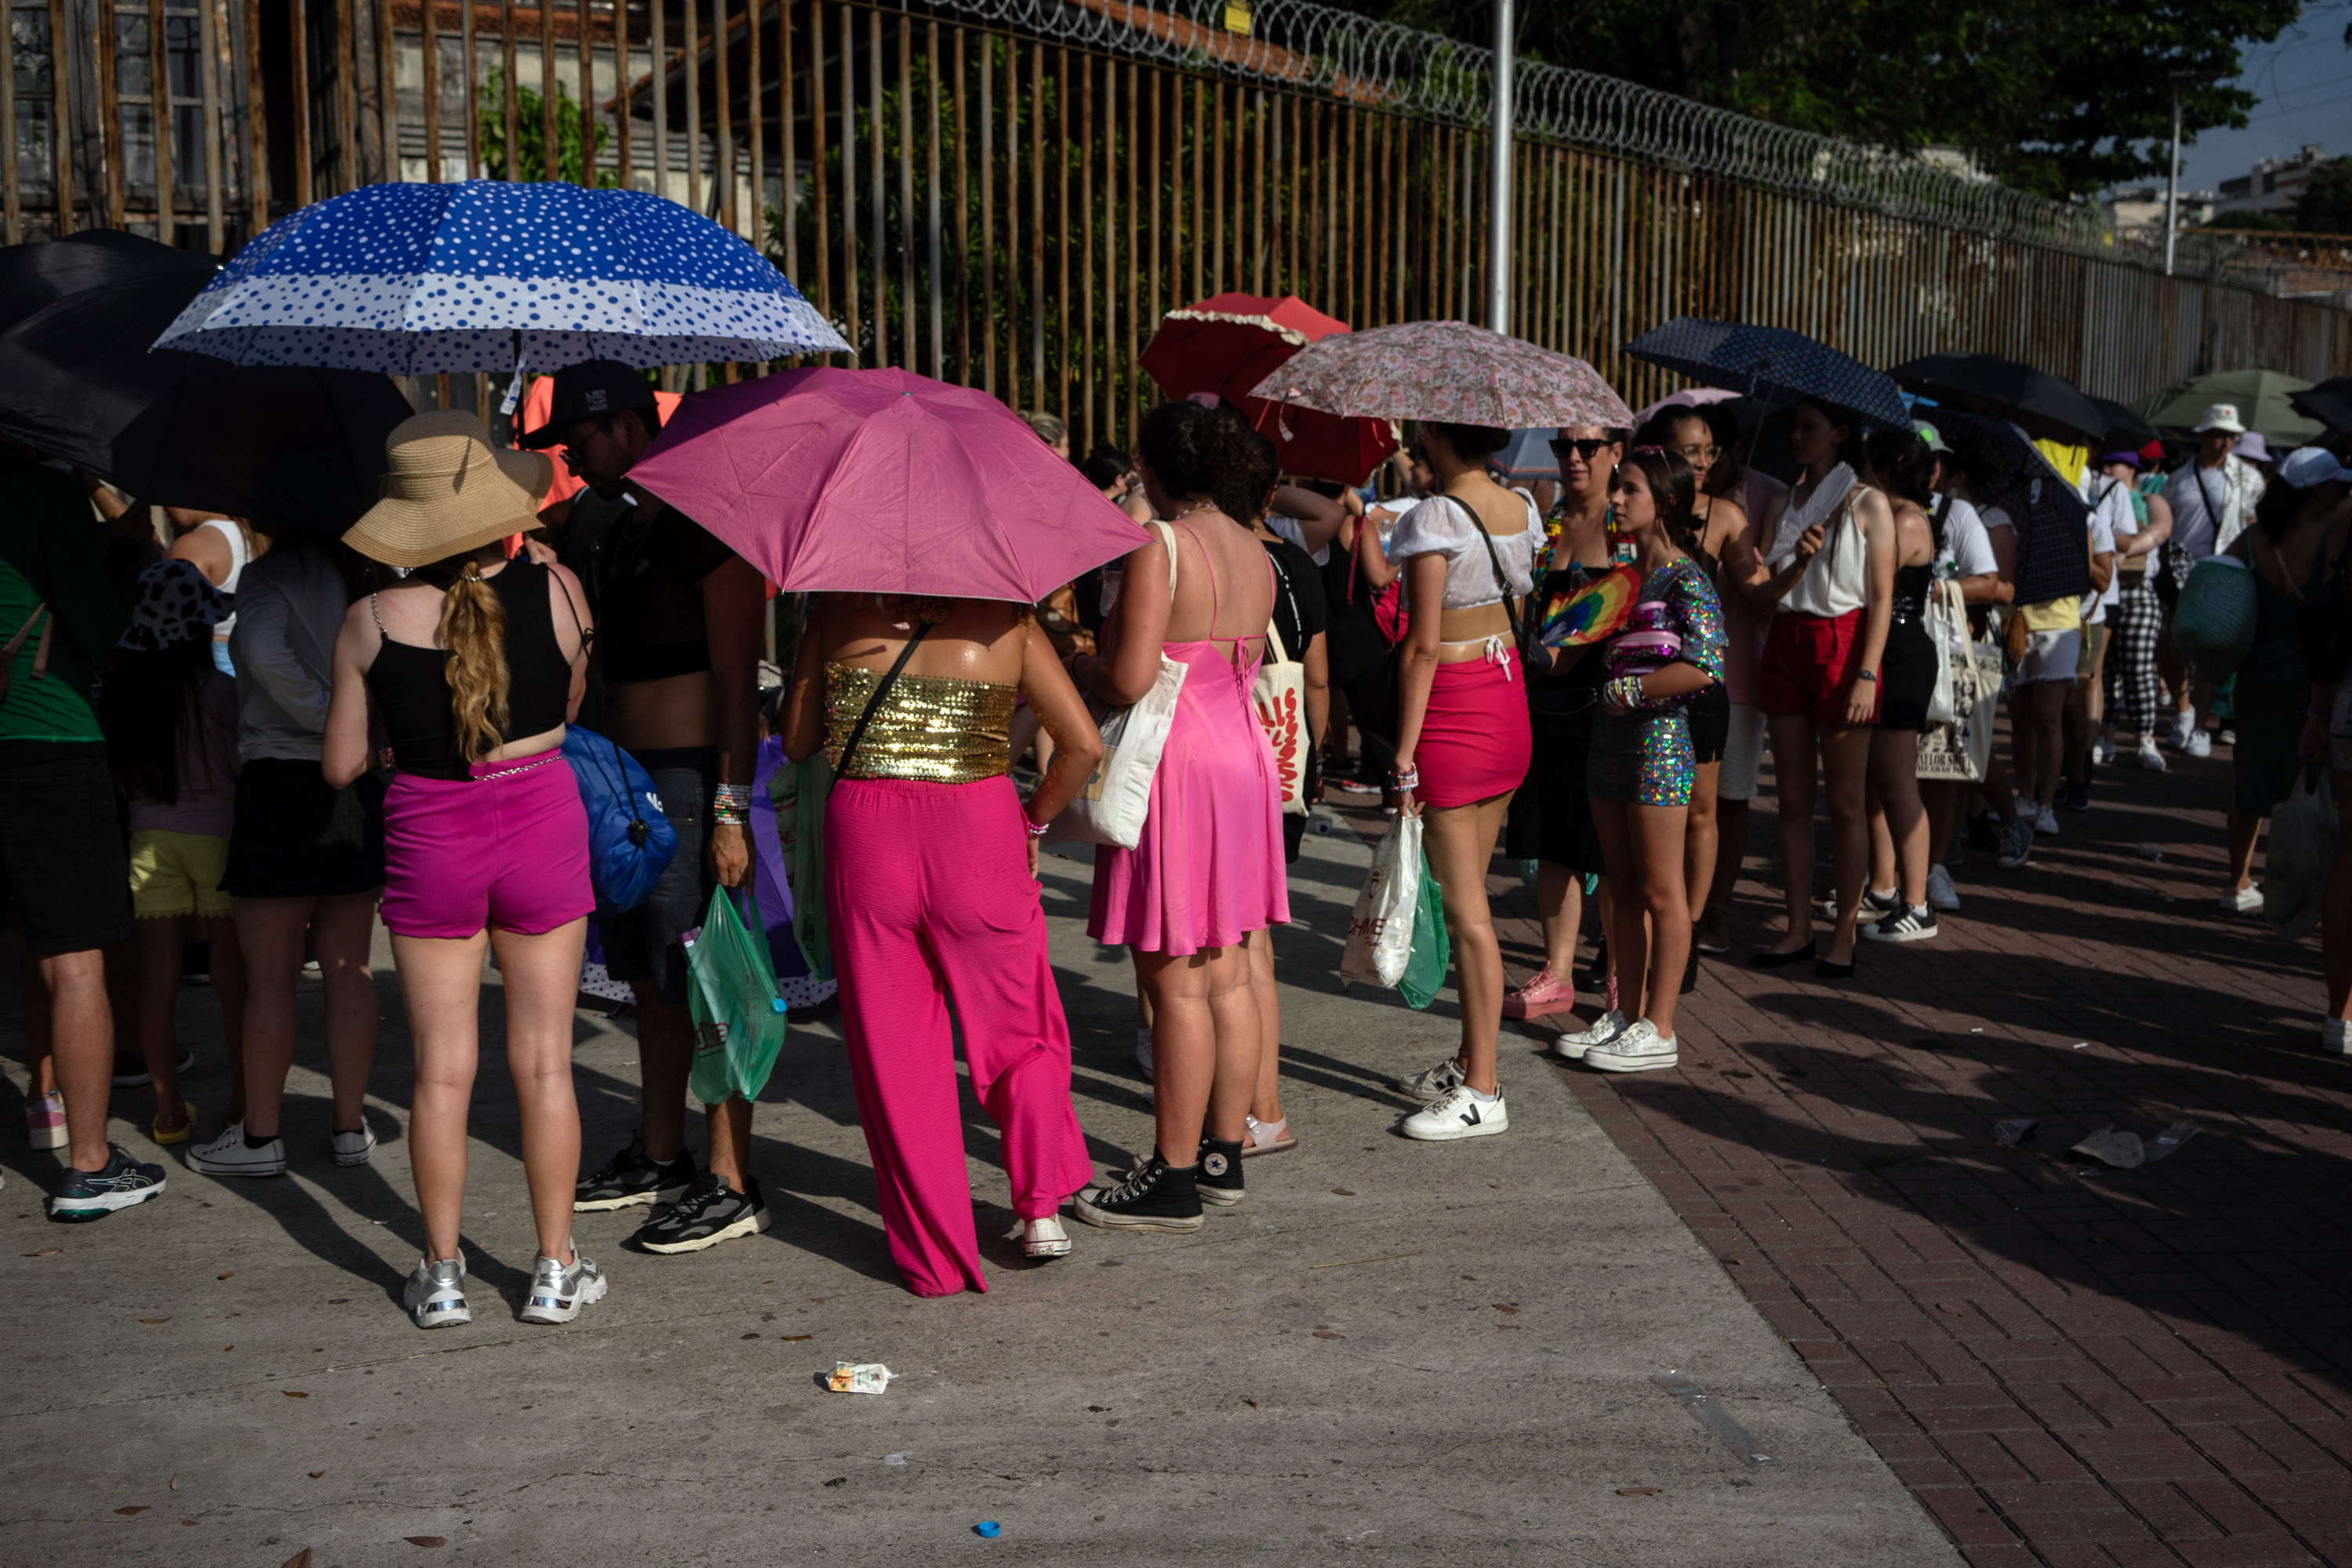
{"type": "Point", "coordinates": [2052, 520]}
{"type": "Point", "coordinates": [32, 276]}
{"type": "Point", "coordinates": [286, 446]}
{"type": "Point", "coordinates": [2014, 386]}
{"type": "Point", "coordinates": [2124, 430]}
{"type": "Point", "coordinates": [2330, 402]}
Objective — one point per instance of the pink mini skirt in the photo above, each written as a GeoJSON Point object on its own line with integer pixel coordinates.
{"type": "Point", "coordinates": [506, 849]}
{"type": "Point", "coordinates": [1475, 740]}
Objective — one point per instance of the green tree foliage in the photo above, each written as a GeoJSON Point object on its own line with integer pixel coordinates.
{"type": "Point", "coordinates": [531, 133]}
{"type": "Point", "coordinates": [2326, 205]}
{"type": "Point", "coordinates": [2248, 218]}
{"type": "Point", "coordinates": [2062, 97]}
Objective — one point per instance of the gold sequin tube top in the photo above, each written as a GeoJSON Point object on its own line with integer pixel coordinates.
{"type": "Point", "coordinates": [934, 728]}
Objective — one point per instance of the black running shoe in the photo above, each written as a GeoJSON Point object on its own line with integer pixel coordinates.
{"type": "Point", "coordinates": [1984, 832]}
{"type": "Point", "coordinates": [1158, 1196]}
{"type": "Point", "coordinates": [706, 1214]}
{"type": "Point", "coordinates": [1220, 1181]}
{"type": "Point", "coordinates": [85, 1196]}
{"type": "Point", "coordinates": [630, 1178]}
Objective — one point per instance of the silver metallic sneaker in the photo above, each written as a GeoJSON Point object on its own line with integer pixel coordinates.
{"type": "Point", "coordinates": [1605, 1028]}
{"type": "Point", "coordinates": [1433, 1083]}
{"type": "Point", "coordinates": [436, 1293]}
{"type": "Point", "coordinates": [558, 1292]}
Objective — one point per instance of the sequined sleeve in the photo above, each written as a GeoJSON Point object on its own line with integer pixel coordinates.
{"type": "Point", "coordinates": [1693, 598]}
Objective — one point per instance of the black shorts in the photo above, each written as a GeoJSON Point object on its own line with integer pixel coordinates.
{"type": "Point", "coordinates": [1551, 817]}
{"type": "Point", "coordinates": [1711, 724]}
{"type": "Point", "coordinates": [642, 943]}
{"type": "Point", "coordinates": [1906, 676]}
{"type": "Point", "coordinates": [298, 836]}
{"type": "Point", "coordinates": [62, 859]}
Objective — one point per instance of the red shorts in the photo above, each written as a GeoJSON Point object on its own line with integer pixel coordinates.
{"type": "Point", "coordinates": [1810, 663]}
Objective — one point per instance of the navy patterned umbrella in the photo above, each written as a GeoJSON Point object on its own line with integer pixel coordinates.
{"type": "Point", "coordinates": [2006, 471]}
{"type": "Point", "coordinates": [1772, 365]}
{"type": "Point", "coordinates": [2015, 386]}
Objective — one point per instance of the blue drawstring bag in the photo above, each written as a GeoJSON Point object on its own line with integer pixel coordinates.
{"type": "Point", "coordinates": [630, 842]}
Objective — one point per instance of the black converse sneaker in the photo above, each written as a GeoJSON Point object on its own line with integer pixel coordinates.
{"type": "Point", "coordinates": [1156, 1196]}
{"type": "Point", "coordinates": [629, 1177]}
{"type": "Point", "coordinates": [1220, 1181]}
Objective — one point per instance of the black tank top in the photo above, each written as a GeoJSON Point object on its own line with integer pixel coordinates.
{"type": "Point", "coordinates": [412, 687]}
{"type": "Point", "coordinates": [1911, 591]}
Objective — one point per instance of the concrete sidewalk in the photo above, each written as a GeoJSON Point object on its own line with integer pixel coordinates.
{"type": "Point", "coordinates": [1442, 1352]}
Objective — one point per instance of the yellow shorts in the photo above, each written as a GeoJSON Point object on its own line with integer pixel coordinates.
{"type": "Point", "coordinates": [178, 874]}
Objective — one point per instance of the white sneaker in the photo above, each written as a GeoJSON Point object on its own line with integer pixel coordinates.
{"type": "Point", "coordinates": [226, 1155]}
{"type": "Point", "coordinates": [1459, 1114]}
{"type": "Point", "coordinates": [2151, 755]}
{"type": "Point", "coordinates": [436, 1293]}
{"type": "Point", "coordinates": [353, 1148]}
{"type": "Point", "coordinates": [559, 1290]}
{"type": "Point", "coordinates": [2183, 726]}
{"type": "Point", "coordinates": [2335, 1036]}
{"type": "Point", "coordinates": [2245, 900]}
{"type": "Point", "coordinates": [1041, 1238]}
{"type": "Point", "coordinates": [1432, 1083]}
{"type": "Point", "coordinates": [1640, 1048]}
{"type": "Point", "coordinates": [2045, 821]}
{"type": "Point", "coordinates": [1143, 1051]}
{"type": "Point", "coordinates": [1942, 897]}
{"type": "Point", "coordinates": [2200, 743]}
{"type": "Point", "coordinates": [2103, 753]}
{"type": "Point", "coordinates": [1605, 1028]}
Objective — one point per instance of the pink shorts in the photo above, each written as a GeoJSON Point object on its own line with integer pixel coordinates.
{"type": "Point", "coordinates": [507, 847]}
{"type": "Point", "coordinates": [1475, 741]}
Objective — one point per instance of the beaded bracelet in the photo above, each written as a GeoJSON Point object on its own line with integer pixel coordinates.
{"type": "Point", "coordinates": [1037, 829]}
{"type": "Point", "coordinates": [731, 805]}
{"type": "Point", "coordinates": [1408, 778]}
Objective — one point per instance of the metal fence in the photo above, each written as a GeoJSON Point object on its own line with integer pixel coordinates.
{"type": "Point", "coordinates": [1009, 193]}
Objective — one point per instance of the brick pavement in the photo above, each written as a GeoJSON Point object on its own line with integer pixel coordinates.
{"type": "Point", "coordinates": [2069, 1364]}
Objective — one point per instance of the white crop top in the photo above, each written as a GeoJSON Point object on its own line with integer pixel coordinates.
{"type": "Point", "coordinates": [1442, 526]}
{"type": "Point", "coordinates": [1833, 581]}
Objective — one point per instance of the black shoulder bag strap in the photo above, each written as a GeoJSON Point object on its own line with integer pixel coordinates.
{"type": "Point", "coordinates": [874, 703]}
{"type": "Point", "coordinates": [1502, 584]}
{"type": "Point", "coordinates": [1935, 521]}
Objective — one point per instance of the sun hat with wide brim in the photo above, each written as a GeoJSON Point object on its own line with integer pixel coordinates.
{"type": "Point", "coordinates": [449, 491]}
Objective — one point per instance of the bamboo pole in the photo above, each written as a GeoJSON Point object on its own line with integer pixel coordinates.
{"type": "Point", "coordinates": [60, 114]}
{"type": "Point", "coordinates": [509, 90]}
{"type": "Point", "coordinates": [584, 16]}
{"type": "Point", "coordinates": [210, 32]}
{"type": "Point", "coordinates": [428, 13]}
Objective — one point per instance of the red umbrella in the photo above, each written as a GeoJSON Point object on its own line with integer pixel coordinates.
{"type": "Point", "coordinates": [1229, 343]}
{"type": "Point", "coordinates": [882, 481]}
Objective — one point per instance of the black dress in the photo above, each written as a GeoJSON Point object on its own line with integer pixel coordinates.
{"type": "Point", "coordinates": [1551, 817]}
{"type": "Point", "coordinates": [1906, 670]}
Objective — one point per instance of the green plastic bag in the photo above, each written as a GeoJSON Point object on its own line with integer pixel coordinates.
{"type": "Point", "coordinates": [1424, 969]}
{"type": "Point", "coordinates": [799, 791]}
{"type": "Point", "coordinates": [738, 1019]}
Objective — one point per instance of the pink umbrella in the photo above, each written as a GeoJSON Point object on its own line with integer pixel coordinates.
{"type": "Point", "coordinates": [881, 481]}
{"type": "Point", "coordinates": [1447, 371]}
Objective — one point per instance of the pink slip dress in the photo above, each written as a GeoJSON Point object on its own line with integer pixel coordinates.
{"type": "Point", "coordinates": [1208, 870]}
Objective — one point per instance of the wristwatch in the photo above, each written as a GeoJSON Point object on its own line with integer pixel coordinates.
{"type": "Point", "coordinates": [1869, 674]}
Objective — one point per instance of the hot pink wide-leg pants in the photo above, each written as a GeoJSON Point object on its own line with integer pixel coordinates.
{"type": "Point", "coordinates": [929, 892]}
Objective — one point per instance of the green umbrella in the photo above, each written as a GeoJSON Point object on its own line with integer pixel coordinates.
{"type": "Point", "coordinates": [2260, 396]}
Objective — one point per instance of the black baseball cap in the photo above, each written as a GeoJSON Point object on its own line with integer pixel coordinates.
{"type": "Point", "coordinates": [589, 390]}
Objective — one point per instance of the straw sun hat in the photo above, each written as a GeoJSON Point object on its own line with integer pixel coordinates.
{"type": "Point", "coordinates": [449, 491]}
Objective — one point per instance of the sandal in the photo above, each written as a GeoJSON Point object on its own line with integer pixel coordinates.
{"type": "Point", "coordinates": [155, 1129]}
{"type": "Point", "coordinates": [1267, 1137]}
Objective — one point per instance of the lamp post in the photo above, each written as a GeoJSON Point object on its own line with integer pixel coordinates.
{"type": "Point", "coordinates": [1498, 223]}
{"type": "Point", "coordinates": [2172, 178]}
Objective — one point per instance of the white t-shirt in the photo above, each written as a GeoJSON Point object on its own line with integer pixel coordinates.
{"type": "Point", "coordinates": [1288, 528]}
{"type": "Point", "coordinates": [2235, 487]}
{"type": "Point", "coordinates": [2112, 521]}
{"type": "Point", "coordinates": [1968, 548]}
{"type": "Point", "coordinates": [1440, 526]}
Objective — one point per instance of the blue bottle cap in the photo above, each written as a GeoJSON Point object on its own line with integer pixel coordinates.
{"type": "Point", "coordinates": [988, 1529]}
{"type": "Point", "coordinates": [776, 1003]}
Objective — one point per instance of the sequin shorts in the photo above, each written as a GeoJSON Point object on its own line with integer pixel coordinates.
{"type": "Point", "coordinates": [1644, 758]}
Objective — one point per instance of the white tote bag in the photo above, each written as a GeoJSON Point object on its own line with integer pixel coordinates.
{"type": "Point", "coordinates": [1947, 629]}
{"type": "Point", "coordinates": [1379, 930]}
{"type": "Point", "coordinates": [1111, 808]}
{"type": "Point", "coordinates": [1279, 696]}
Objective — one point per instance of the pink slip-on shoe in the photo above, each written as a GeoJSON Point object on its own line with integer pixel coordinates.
{"type": "Point", "coordinates": [1540, 995]}
{"type": "Point", "coordinates": [45, 1121]}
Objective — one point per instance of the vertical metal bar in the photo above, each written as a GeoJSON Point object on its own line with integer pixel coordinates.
{"type": "Point", "coordinates": [1082, 433]}
{"type": "Point", "coordinates": [1059, 404]}
{"type": "Point", "coordinates": [550, 140]}
{"type": "Point", "coordinates": [1037, 224]}
{"type": "Point", "coordinates": [1215, 93]}
{"type": "Point", "coordinates": [821, 195]}
{"type": "Point", "coordinates": [658, 20]}
{"type": "Point", "coordinates": [849, 175]}
{"type": "Point", "coordinates": [1153, 172]}
{"type": "Point", "coordinates": [1261, 171]}
{"type": "Point", "coordinates": [1201, 218]}
{"type": "Point", "coordinates": [109, 112]}
{"type": "Point", "coordinates": [12, 195]}
{"type": "Point", "coordinates": [987, 214]}
{"type": "Point", "coordinates": [468, 43]}
{"type": "Point", "coordinates": [1289, 282]}
{"type": "Point", "coordinates": [690, 52]}
{"type": "Point", "coordinates": [963, 204]}
{"type": "Point", "coordinates": [429, 14]}
{"type": "Point", "coordinates": [876, 177]}
{"type": "Point", "coordinates": [60, 116]}
{"type": "Point", "coordinates": [208, 33]}
{"type": "Point", "coordinates": [387, 105]}
{"type": "Point", "coordinates": [754, 90]}
{"type": "Point", "coordinates": [300, 48]}
{"type": "Point", "coordinates": [585, 17]}
{"type": "Point", "coordinates": [509, 90]}
{"type": "Point", "coordinates": [158, 100]}
{"type": "Point", "coordinates": [787, 138]}
{"type": "Point", "coordinates": [1135, 337]}
{"type": "Point", "coordinates": [931, 254]}
{"type": "Point", "coordinates": [257, 126]}
{"type": "Point", "coordinates": [911, 354]}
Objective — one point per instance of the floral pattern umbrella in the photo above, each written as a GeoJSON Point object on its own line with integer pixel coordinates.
{"type": "Point", "coordinates": [1448, 371]}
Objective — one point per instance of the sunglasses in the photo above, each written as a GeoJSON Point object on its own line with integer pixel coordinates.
{"type": "Point", "coordinates": [1584, 447]}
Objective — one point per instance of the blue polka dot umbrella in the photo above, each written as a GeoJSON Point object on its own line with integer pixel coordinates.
{"type": "Point", "coordinates": [1773, 364]}
{"type": "Point", "coordinates": [484, 275]}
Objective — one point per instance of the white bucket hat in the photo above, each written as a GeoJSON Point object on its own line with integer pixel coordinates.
{"type": "Point", "coordinates": [2222, 416]}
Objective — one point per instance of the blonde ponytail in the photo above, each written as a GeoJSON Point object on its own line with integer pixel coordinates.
{"type": "Point", "coordinates": [474, 630]}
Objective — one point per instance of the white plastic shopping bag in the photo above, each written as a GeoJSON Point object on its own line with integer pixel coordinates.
{"type": "Point", "coordinates": [1380, 932]}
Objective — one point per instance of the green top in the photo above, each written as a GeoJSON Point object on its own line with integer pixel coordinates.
{"type": "Point", "coordinates": [53, 551]}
